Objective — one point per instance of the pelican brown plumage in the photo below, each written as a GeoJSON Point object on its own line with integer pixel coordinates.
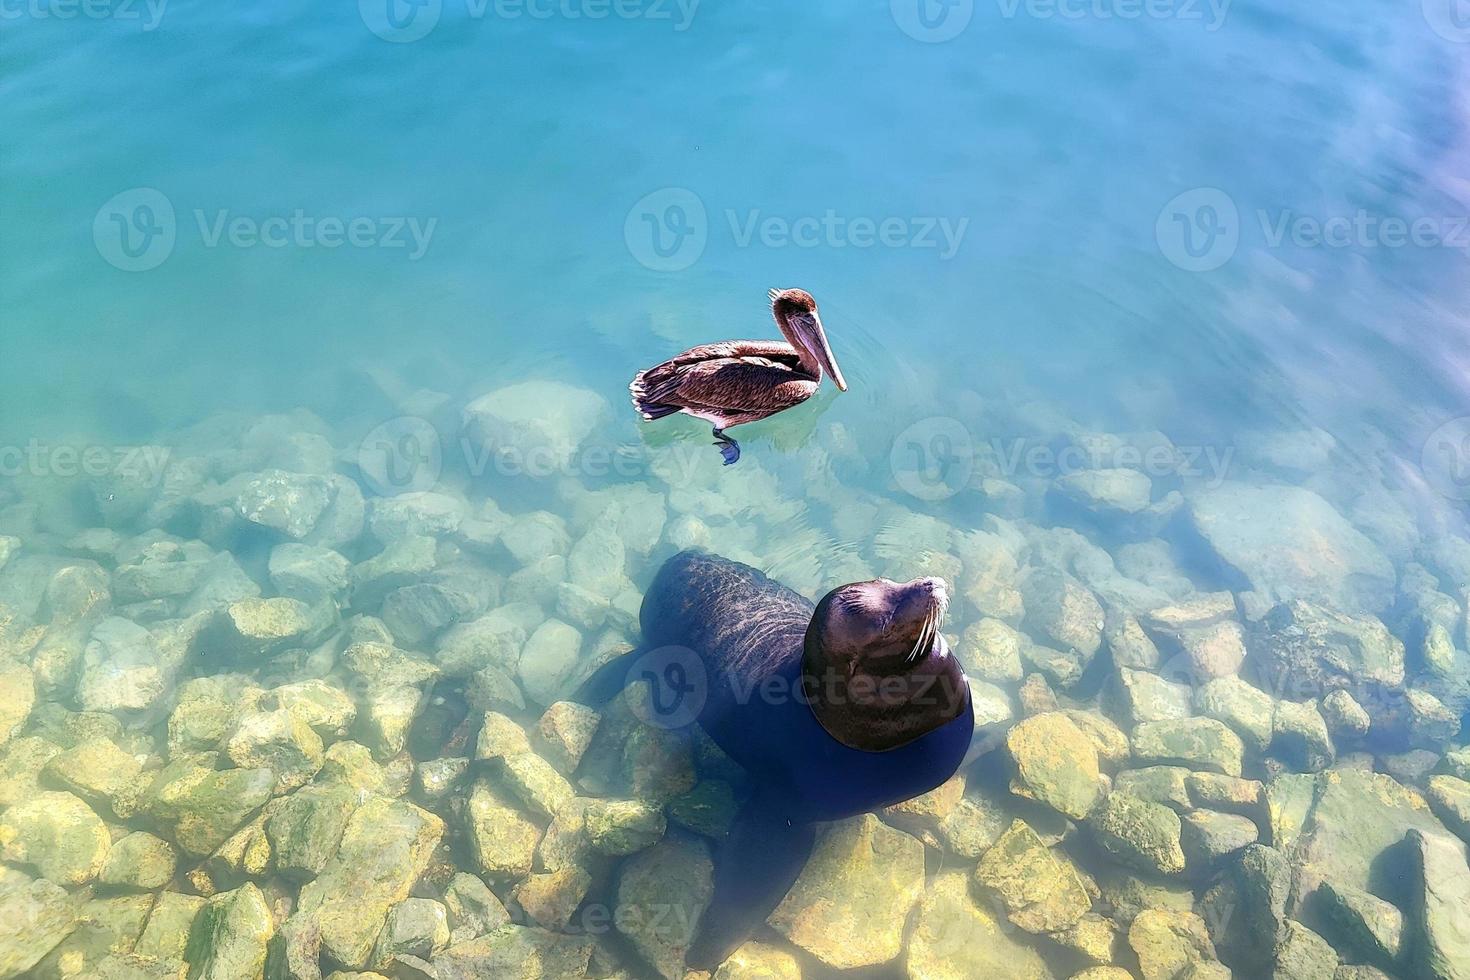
{"type": "Point", "coordinates": [738, 381]}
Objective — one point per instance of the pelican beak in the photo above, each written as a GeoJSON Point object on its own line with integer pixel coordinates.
{"type": "Point", "coordinates": [814, 339]}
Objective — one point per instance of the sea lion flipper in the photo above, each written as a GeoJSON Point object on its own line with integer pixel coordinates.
{"type": "Point", "coordinates": [755, 868]}
{"type": "Point", "coordinates": [608, 681]}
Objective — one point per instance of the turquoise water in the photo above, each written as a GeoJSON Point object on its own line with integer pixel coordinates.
{"type": "Point", "coordinates": [1046, 235]}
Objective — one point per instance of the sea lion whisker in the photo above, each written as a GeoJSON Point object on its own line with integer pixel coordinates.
{"type": "Point", "coordinates": [925, 638]}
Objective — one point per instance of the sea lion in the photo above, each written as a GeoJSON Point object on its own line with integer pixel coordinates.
{"type": "Point", "coordinates": [833, 710]}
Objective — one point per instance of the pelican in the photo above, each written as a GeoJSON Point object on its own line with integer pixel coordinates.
{"type": "Point", "coordinates": [738, 381]}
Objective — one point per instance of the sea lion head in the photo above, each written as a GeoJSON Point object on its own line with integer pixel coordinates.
{"type": "Point", "coordinates": [876, 668]}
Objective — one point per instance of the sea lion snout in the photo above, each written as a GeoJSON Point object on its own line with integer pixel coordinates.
{"type": "Point", "coordinates": [921, 600]}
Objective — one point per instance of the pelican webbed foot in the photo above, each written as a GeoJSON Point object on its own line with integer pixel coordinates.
{"type": "Point", "coordinates": [729, 448]}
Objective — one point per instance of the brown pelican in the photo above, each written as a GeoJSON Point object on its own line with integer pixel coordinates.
{"type": "Point", "coordinates": [738, 381]}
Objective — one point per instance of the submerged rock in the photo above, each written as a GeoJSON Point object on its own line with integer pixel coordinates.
{"type": "Point", "coordinates": [17, 698]}
{"type": "Point", "coordinates": [473, 909]}
{"type": "Point", "coordinates": [513, 952]}
{"type": "Point", "coordinates": [1199, 743]}
{"type": "Point", "coordinates": [386, 847]}
{"type": "Point", "coordinates": [1356, 821]}
{"type": "Point", "coordinates": [96, 770]}
{"type": "Point", "coordinates": [1248, 710]}
{"type": "Point", "coordinates": [205, 807]}
{"type": "Point", "coordinates": [139, 861]}
{"type": "Point", "coordinates": [502, 840]}
{"type": "Point", "coordinates": [229, 936]}
{"type": "Point", "coordinates": [758, 961]}
{"type": "Point", "coordinates": [35, 916]}
{"type": "Point", "coordinates": [857, 866]}
{"type": "Point", "coordinates": [1040, 891]}
{"type": "Point", "coordinates": [417, 927]}
{"type": "Point", "coordinates": [621, 827]}
{"type": "Point", "coordinates": [120, 668]}
{"type": "Point", "coordinates": [1364, 925]}
{"type": "Point", "coordinates": [1056, 763]}
{"type": "Point", "coordinates": [662, 892]}
{"type": "Point", "coordinates": [1168, 943]}
{"type": "Point", "coordinates": [279, 741]}
{"type": "Point", "coordinates": [537, 426]}
{"type": "Point", "coordinates": [1440, 896]}
{"type": "Point", "coordinates": [1344, 716]}
{"type": "Point", "coordinates": [1138, 833]}
{"type": "Point", "coordinates": [291, 503]}
{"type": "Point", "coordinates": [1063, 611]}
{"type": "Point", "coordinates": [1304, 649]}
{"type": "Point", "coordinates": [305, 832]}
{"type": "Point", "coordinates": [1289, 543]}
{"type": "Point", "coordinates": [1208, 837]}
{"type": "Point", "coordinates": [548, 658]}
{"type": "Point", "coordinates": [956, 938]}
{"type": "Point", "coordinates": [58, 835]}
{"type": "Point", "coordinates": [1301, 738]}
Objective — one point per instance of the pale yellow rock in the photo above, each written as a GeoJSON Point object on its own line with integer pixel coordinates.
{"type": "Point", "coordinates": [957, 939]}
{"type": "Point", "coordinates": [758, 961]}
{"type": "Point", "coordinates": [850, 904]}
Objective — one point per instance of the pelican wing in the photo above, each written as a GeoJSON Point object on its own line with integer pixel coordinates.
{"type": "Point", "coordinates": [659, 390]}
{"type": "Point", "coordinates": [751, 385]}
{"type": "Point", "coordinates": [770, 350]}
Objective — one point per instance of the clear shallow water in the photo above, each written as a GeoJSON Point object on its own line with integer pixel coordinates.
{"type": "Point", "coordinates": [1046, 226]}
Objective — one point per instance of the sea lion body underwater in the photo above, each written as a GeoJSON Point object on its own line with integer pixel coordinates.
{"type": "Point", "coordinates": [833, 711]}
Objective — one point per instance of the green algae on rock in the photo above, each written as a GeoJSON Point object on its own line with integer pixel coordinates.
{"type": "Point", "coordinates": [229, 936]}
{"type": "Point", "coordinates": [58, 835]}
{"type": "Point", "coordinates": [1138, 833]}
{"type": "Point", "coordinates": [1198, 743]}
{"type": "Point", "coordinates": [1040, 890]}
{"type": "Point", "coordinates": [385, 848]}
{"type": "Point", "coordinates": [1056, 763]}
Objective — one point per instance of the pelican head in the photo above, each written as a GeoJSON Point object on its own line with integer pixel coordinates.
{"type": "Point", "coordinates": [796, 314]}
